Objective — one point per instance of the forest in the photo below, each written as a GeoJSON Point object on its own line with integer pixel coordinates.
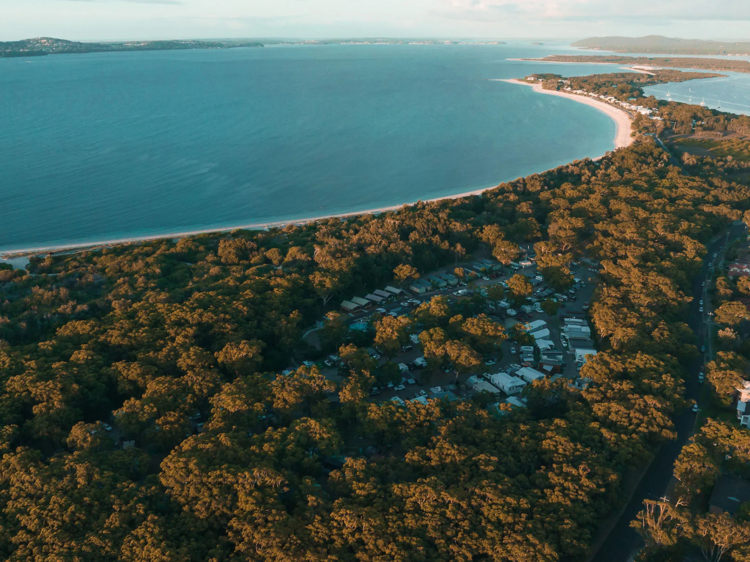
{"type": "Point", "coordinates": [658, 44]}
{"type": "Point", "coordinates": [145, 415]}
{"type": "Point", "coordinates": [728, 65]}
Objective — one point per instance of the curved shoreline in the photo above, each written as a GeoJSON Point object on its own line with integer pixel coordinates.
{"type": "Point", "coordinates": [622, 139]}
{"type": "Point", "coordinates": [621, 118]}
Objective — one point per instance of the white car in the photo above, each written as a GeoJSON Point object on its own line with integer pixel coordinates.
{"type": "Point", "coordinates": [308, 364]}
{"type": "Point", "coordinates": [399, 388]}
{"type": "Point", "coordinates": [701, 303]}
{"type": "Point", "coordinates": [512, 312]}
{"type": "Point", "coordinates": [695, 408]}
{"type": "Point", "coordinates": [486, 278]}
{"type": "Point", "coordinates": [700, 309]}
{"type": "Point", "coordinates": [381, 310]}
{"type": "Point", "coordinates": [701, 377]}
{"type": "Point", "coordinates": [490, 362]}
{"type": "Point", "coordinates": [513, 351]}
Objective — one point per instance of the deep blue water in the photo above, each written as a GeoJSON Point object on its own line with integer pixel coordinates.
{"type": "Point", "coordinates": [108, 146]}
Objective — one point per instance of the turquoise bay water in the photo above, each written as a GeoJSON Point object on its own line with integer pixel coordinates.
{"type": "Point", "coordinates": [730, 94]}
{"type": "Point", "coordinates": [108, 146]}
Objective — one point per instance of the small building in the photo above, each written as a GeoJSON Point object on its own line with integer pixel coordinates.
{"type": "Point", "coordinates": [364, 303]}
{"type": "Point", "coordinates": [728, 494]}
{"type": "Point", "coordinates": [516, 402]}
{"type": "Point", "coordinates": [446, 395]}
{"type": "Point", "coordinates": [393, 290]}
{"type": "Point", "coordinates": [437, 282]}
{"type": "Point", "coordinates": [535, 326]}
{"type": "Point", "coordinates": [420, 400]}
{"type": "Point", "coordinates": [479, 385]}
{"type": "Point", "coordinates": [529, 375]}
{"type": "Point", "coordinates": [382, 294]}
{"type": "Point", "coordinates": [507, 383]}
{"type": "Point", "coordinates": [349, 306]}
{"type": "Point", "coordinates": [450, 279]}
{"type": "Point", "coordinates": [374, 298]}
{"type": "Point", "coordinates": [582, 355]}
{"type": "Point", "coordinates": [398, 401]}
{"type": "Point", "coordinates": [541, 334]}
{"type": "Point", "coordinates": [743, 413]}
{"type": "Point", "coordinates": [580, 343]}
{"type": "Point", "coordinates": [544, 345]}
{"type": "Point", "coordinates": [550, 366]}
{"type": "Point", "coordinates": [417, 288]}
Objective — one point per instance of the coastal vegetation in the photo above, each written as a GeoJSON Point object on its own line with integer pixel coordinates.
{"type": "Point", "coordinates": [728, 65]}
{"type": "Point", "coordinates": [42, 46]}
{"type": "Point", "coordinates": [156, 338]}
{"type": "Point", "coordinates": [153, 406]}
{"type": "Point", "coordinates": [657, 44]}
{"type": "Point", "coordinates": [622, 86]}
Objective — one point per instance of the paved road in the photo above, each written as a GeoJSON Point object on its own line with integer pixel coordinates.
{"type": "Point", "coordinates": [623, 541]}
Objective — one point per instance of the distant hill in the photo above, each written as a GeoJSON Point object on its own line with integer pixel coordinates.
{"type": "Point", "coordinates": [41, 46]}
{"type": "Point", "coordinates": [656, 44]}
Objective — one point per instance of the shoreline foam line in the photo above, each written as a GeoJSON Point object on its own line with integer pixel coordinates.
{"type": "Point", "coordinates": [622, 139]}
{"type": "Point", "coordinates": [621, 118]}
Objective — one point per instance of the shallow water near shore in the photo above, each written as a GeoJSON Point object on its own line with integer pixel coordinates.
{"type": "Point", "coordinates": [124, 145]}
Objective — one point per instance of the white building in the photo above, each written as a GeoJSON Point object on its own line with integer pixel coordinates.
{"type": "Point", "coordinates": [541, 334]}
{"type": "Point", "coordinates": [529, 375]}
{"type": "Point", "coordinates": [582, 355]}
{"type": "Point", "coordinates": [545, 345]}
{"type": "Point", "coordinates": [479, 385]}
{"type": "Point", "coordinates": [507, 383]}
{"type": "Point", "coordinates": [536, 325]}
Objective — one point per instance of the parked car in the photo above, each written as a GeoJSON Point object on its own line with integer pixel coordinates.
{"type": "Point", "coordinates": [695, 408]}
{"type": "Point", "coordinates": [399, 388]}
{"type": "Point", "coordinates": [513, 351]}
{"type": "Point", "coordinates": [700, 309]}
{"type": "Point", "coordinates": [703, 349]}
{"type": "Point", "coordinates": [701, 377]}
{"type": "Point", "coordinates": [308, 363]}
{"type": "Point", "coordinates": [381, 310]}
{"type": "Point", "coordinates": [407, 348]}
{"type": "Point", "coordinates": [490, 362]}
{"type": "Point", "coordinates": [422, 393]}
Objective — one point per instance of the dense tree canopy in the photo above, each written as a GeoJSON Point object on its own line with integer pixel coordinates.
{"type": "Point", "coordinates": [215, 455]}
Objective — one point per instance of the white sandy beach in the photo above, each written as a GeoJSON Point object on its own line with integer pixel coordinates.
{"type": "Point", "coordinates": [622, 139]}
{"type": "Point", "coordinates": [621, 118]}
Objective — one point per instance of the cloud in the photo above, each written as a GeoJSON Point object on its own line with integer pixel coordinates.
{"type": "Point", "coordinates": [641, 11]}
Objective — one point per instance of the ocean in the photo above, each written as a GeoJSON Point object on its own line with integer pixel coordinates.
{"type": "Point", "coordinates": [102, 147]}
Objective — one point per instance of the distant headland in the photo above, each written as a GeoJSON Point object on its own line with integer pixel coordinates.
{"type": "Point", "coordinates": [657, 44]}
{"type": "Point", "coordinates": [42, 46]}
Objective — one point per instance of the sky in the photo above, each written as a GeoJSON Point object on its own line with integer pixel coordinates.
{"type": "Point", "coordinates": [496, 19]}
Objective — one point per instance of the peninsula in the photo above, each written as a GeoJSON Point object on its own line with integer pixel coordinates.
{"type": "Point", "coordinates": [658, 44]}
{"type": "Point", "coordinates": [671, 62]}
{"type": "Point", "coordinates": [42, 46]}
